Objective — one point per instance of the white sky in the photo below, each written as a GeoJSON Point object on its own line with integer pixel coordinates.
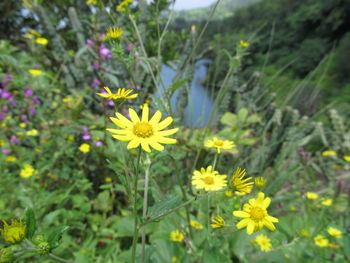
{"type": "Point", "coordinates": [189, 4]}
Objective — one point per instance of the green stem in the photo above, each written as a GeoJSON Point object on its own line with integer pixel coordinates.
{"type": "Point", "coordinates": [136, 231]}
{"type": "Point", "coordinates": [215, 160]}
{"type": "Point", "coordinates": [144, 213]}
{"type": "Point", "coordinates": [58, 258]}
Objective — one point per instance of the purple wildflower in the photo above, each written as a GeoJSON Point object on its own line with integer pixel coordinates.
{"type": "Point", "coordinates": [14, 140]}
{"type": "Point", "coordinates": [105, 52]}
{"type": "Point", "coordinates": [6, 151]}
{"type": "Point", "coordinates": [96, 65]}
{"type": "Point", "coordinates": [29, 92]}
{"type": "Point", "coordinates": [95, 83]}
{"type": "Point", "coordinates": [98, 143]}
{"type": "Point", "coordinates": [8, 77]}
{"type": "Point", "coordinates": [90, 42]}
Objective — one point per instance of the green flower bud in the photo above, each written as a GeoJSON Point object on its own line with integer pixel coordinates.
{"type": "Point", "coordinates": [39, 239]}
{"type": "Point", "coordinates": [6, 255]}
{"type": "Point", "coordinates": [43, 248]}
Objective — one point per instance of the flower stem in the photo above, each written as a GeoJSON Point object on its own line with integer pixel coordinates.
{"type": "Point", "coordinates": [215, 160]}
{"type": "Point", "coordinates": [144, 212]}
{"type": "Point", "coordinates": [136, 230]}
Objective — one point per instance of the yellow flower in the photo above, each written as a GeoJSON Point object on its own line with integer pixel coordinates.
{"type": "Point", "coordinates": [19, 134]}
{"type": "Point", "coordinates": [311, 195]}
{"type": "Point", "coordinates": [264, 242]}
{"type": "Point", "coordinates": [293, 208]}
{"type": "Point", "coordinates": [255, 215]}
{"type": "Point", "coordinates": [10, 159]}
{"type": "Point", "coordinates": [67, 99]}
{"type": "Point", "coordinates": [329, 153]}
{"type": "Point", "coordinates": [347, 158]}
{"type": "Point", "coordinates": [28, 36]}
{"type": "Point", "coordinates": [243, 43]}
{"type": "Point", "coordinates": [332, 245]}
{"type": "Point", "coordinates": [15, 232]}
{"type": "Point", "coordinates": [114, 32]}
{"type": "Point", "coordinates": [70, 138]}
{"type": "Point", "coordinates": [33, 32]}
{"type": "Point", "coordinates": [228, 193]}
{"type": "Point", "coordinates": [260, 181]}
{"type": "Point", "coordinates": [304, 233]}
{"type": "Point", "coordinates": [92, 2]}
{"type": "Point", "coordinates": [177, 236]}
{"type": "Point", "coordinates": [174, 260]}
{"type": "Point", "coordinates": [2, 142]}
{"type": "Point", "coordinates": [84, 148]}
{"type": "Point", "coordinates": [120, 96]}
{"type": "Point", "coordinates": [321, 241]}
{"type": "Point", "coordinates": [32, 132]}
{"type": "Point", "coordinates": [35, 72]}
{"type": "Point", "coordinates": [196, 224]}
{"type": "Point", "coordinates": [208, 180]}
{"type": "Point", "coordinates": [217, 222]}
{"type": "Point", "coordinates": [22, 125]}
{"type": "Point", "coordinates": [122, 6]}
{"type": "Point", "coordinates": [41, 41]}
{"type": "Point", "coordinates": [219, 144]}
{"type": "Point", "coordinates": [239, 184]}
{"type": "Point", "coordinates": [327, 202]}
{"type": "Point", "coordinates": [334, 232]}
{"type": "Point", "coordinates": [27, 171]}
{"type": "Point", "coordinates": [108, 179]}
{"type": "Point", "coordinates": [143, 131]}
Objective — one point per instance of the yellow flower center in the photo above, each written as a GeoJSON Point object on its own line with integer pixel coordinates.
{"type": "Point", "coordinates": [218, 143]}
{"type": "Point", "coordinates": [208, 180]}
{"type": "Point", "coordinates": [257, 213]}
{"type": "Point", "coordinates": [143, 129]}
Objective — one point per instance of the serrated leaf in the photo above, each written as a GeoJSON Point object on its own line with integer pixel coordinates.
{"type": "Point", "coordinates": [164, 205]}
{"type": "Point", "coordinates": [54, 237]}
{"type": "Point", "coordinates": [229, 119]}
{"type": "Point", "coordinates": [30, 223]}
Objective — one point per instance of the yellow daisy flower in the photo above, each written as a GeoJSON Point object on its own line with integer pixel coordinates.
{"type": "Point", "coordinates": [195, 224]}
{"type": "Point", "coordinates": [334, 232]}
{"type": "Point", "coordinates": [311, 195]}
{"type": "Point", "coordinates": [243, 43]}
{"type": "Point", "coordinates": [327, 202]}
{"type": "Point", "coordinates": [32, 132]}
{"type": "Point", "coordinates": [41, 41]}
{"type": "Point", "coordinates": [208, 179]}
{"type": "Point", "coordinates": [260, 181]}
{"type": "Point", "coordinates": [255, 215]}
{"type": "Point", "coordinates": [92, 2]}
{"type": "Point", "coordinates": [264, 242]}
{"type": "Point", "coordinates": [176, 236]}
{"type": "Point", "coordinates": [114, 32]}
{"type": "Point", "coordinates": [35, 72]}
{"type": "Point", "coordinates": [217, 222]}
{"type": "Point", "coordinates": [347, 158]}
{"type": "Point", "coordinates": [321, 241]}
{"type": "Point", "coordinates": [329, 153]}
{"type": "Point", "coordinates": [219, 144]}
{"type": "Point", "coordinates": [27, 171]}
{"type": "Point", "coordinates": [84, 148]}
{"type": "Point", "coordinates": [242, 186]}
{"type": "Point", "coordinates": [120, 96]}
{"type": "Point", "coordinates": [15, 232]}
{"type": "Point", "coordinates": [143, 131]}
{"type": "Point", "coordinates": [10, 159]}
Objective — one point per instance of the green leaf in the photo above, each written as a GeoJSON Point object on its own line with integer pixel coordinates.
{"type": "Point", "coordinates": [55, 235]}
{"type": "Point", "coordinates": [229, 119]}
{"type": "Point", "coordinates": [30, 223]}
{"type": "Point", "coordinates": [347, 246]}
{"type": "Point", "coordinates": [174, 86]}
{"type": "Point", "coordinates": [164, 205]}
{"type": "Point", "coordinates": [242, 114]}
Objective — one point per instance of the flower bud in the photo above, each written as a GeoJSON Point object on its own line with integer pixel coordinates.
{"type": "Point", "coordinates": [6, 255]}
{"type": "Point", "coordinates": [43, 248]}
{"type": "Point", "coordinates": [15, 232]}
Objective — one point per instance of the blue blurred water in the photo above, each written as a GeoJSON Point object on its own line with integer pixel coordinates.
{"type": "Point", "coordinates": [199, 101]}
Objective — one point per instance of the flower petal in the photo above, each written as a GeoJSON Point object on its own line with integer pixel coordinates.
{"type": "Point", "coordinates": [145, 146]}
{"type": "Point", "coordinates": [155, 118]}
{"type": "Point", "coordinates": [133, 144]}
{"type": "Point", "coordinates": [120, 123]}
{"type": "Point", "coordinates": [145, 113]}
{"type": "Point", "coordinates": [166, 140]}
{"type": "Point", "coordinates": [124, 119]}
{"type": "Point", "coordinates": [250, 227]}
{"type": "Point", "coordinates": [133, 116]}
{"type": "Point", "coordinates": [167, 132]}
{"type": "Point", "coordinates": [121, 138]}
{"type": "Point", "coordinates": [163, 124]}
{"type": "Point", "coordinates": [269, 225]}
{"type": "Point", "coordinates": [156, 145]}
{"type": "Point", "coordinates": [241, 214]}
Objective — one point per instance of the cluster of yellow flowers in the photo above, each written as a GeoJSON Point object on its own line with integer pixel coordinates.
{"type": "Point", "coordinates": [334, 153]}
{"type": "Point", "coordinates": [36, 37]}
